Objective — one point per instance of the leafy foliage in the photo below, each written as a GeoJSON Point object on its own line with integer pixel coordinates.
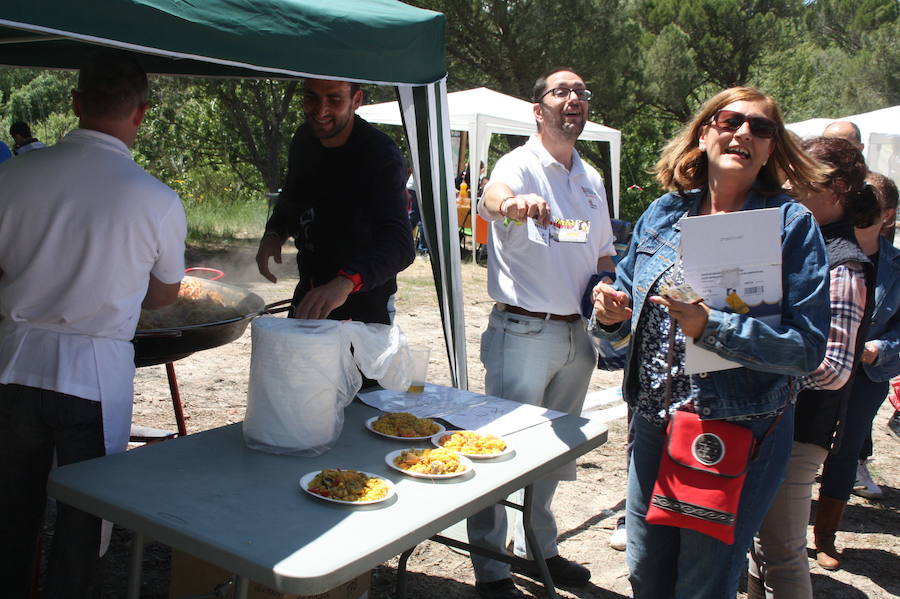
{"type": "Point", "coordinates": [650, 63]}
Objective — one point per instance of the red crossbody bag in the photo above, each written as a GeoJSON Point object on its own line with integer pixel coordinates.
{"type": "Point", "coordinates": [701, 470]}
{"type": "Point", "coordinates": [701, 475]}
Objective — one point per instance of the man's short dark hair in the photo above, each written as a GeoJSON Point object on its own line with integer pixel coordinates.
{"type": "Point", "coordinates": [856, 132]}
{"type": "Point", "coordinates": [20, 128]}
{"type": "Point", "coordinates": [540, 85]}
{"type": "Point", "coordinates": [111, 85]}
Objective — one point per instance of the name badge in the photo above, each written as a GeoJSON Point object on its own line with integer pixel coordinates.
{"type": "Point", "coordinates": [569, 230]}
{"type": "Point", "coordinates": [591, 196]}
{"type": "Point", "coordinates": [538, 233]}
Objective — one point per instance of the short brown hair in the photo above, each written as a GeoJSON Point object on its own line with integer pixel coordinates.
{"type": "Point", "coordinates": [885, 190]}
{"type": "Point", "coordinates": [111, 85]}
{"type": "Point", "coordinates": [540, 83]}
{"type": "Point", "coordinates": [848, 166]}
{"type": "Point", "coordinates": [682, 166]}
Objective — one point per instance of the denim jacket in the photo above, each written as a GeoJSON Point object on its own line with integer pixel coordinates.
{"type": "Point", "coordinates": [885, 327]}
{"type": "Point", "coordinates": [768, 354]}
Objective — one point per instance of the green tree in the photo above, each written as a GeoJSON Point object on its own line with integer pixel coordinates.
{"type": "Point", "coordinates": [693, 48]}
{"type": "Point", "coordinates": [261, 116]}
{"type": "Point", "coordinates": [846, 23]}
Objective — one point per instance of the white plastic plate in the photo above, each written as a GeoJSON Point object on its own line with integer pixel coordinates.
{"type": "Point", "coordinates": [390, 457]}
{"type": "Point", "coordinates": [306, 479]}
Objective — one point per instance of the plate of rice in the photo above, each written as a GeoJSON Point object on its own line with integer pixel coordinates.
{"type": "Point", "coordinates": [404, 426]}
{"type": "Point", "coordinates": [473, 444]}
{"type": "Point", "coordinates": [350, 487]}
{"type": "Point", "coordinates": [428, 463]}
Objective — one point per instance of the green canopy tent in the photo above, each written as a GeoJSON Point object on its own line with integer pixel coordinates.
{"type": "Point", "coordinates": [369, 41]}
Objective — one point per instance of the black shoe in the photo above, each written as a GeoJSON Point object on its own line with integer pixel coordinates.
{"type": "Point", "coordinates": [499, 589]}
{"type": "Point", "coordinates": [563, 572]}
{"type": "Point", "coordinates": [894, 424]}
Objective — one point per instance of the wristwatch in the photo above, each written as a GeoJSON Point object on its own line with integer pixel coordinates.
{"type": "Point", "coordinates": [353, 277]}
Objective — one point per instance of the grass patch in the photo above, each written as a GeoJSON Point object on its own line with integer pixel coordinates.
{"type": "Point", "coordinates": [217, 221]}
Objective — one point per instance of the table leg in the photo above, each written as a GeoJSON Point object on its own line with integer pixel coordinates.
{"type": "Point", "coordinates": [534, 549]}
{"type": "Point", "coordinates": [134, 567]}
{"type": "Point", "coordinates": [241, 587]}
{"type": "Point", "coordinates": [401, 573]}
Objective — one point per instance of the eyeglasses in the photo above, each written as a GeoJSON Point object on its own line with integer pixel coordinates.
{"type": "Point", "coordinates": [731, 120]}
{"type": "Point", "coordinates": [563, 93]}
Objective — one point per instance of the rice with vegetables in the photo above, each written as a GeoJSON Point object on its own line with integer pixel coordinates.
{"type": "Point", "coordinates": [348, 485]}
{"type": "Point", "coordinates": [472, 443]}
{"type": "Point", "coordinates": [404, 424]}
{"type": "Point", "coordinates": [430, 461]}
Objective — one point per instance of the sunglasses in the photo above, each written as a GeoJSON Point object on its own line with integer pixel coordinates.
{"type": "Point", "coordinates": [730, 120]}
{"type": "Point", "coordinates": [563, 93]}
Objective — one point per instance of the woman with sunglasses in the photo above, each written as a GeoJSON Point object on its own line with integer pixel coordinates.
{"type": "Point", "coordinates": [726, 159]}
{"type": "Point", "coordinates": [778, 565]}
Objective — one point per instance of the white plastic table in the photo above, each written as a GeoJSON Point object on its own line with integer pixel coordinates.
{"type": "Point", "coordinates": [209, 495]}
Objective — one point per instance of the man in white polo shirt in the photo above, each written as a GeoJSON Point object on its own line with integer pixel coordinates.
{"type": "Point", "coordinates": [550, 232]}
{"type": "Point", "coordinates": [86, 238]}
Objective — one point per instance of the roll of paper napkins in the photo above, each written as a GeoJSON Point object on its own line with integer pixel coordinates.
{"type": "Point", "coordinates": [302, 375]}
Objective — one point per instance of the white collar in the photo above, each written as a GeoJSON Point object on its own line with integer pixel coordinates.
{"type": "Point", "coordinates": [98, 138]}
{"type": "Point", "coordinates": [537, 148]}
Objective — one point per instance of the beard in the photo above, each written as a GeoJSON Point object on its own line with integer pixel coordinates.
{"type": "Point", "coordinates": [555, 123]}
{"type": "Point", "coordinates": [330, 128]}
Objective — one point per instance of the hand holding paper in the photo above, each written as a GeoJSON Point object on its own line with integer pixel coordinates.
{"type": "Point", "coordinates": [528, 205]}
{"type": "Point", "coordinates": [610, 306]}
{"type": "Point", "coordinates": [692, 317]}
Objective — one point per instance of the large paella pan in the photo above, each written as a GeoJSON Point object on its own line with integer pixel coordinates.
{"type": "Point", "coordinates": [207, 314]}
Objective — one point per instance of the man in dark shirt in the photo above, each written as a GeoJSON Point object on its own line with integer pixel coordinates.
{"type": "Point", "coordinates": [344, 203]}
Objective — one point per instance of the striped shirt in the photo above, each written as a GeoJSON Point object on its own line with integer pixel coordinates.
{"type": "Point", "coordinates": [848, 302]}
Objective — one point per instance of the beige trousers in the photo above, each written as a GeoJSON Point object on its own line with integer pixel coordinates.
{"type": "Point", "coordinates": [778, 555]}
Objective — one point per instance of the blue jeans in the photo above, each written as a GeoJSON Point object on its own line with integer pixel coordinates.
{"type": "Point", "coordinates": [539, 362]}
{"type": "Point", "coordinates": [665, 562]}
{"type": "Point", "coordinates": [839, 472]}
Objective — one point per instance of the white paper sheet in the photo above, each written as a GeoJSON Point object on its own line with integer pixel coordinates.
{"type": "Point", "coordinates": [733, 261]}
{"type": "Point", "coordinates": [464, 409]}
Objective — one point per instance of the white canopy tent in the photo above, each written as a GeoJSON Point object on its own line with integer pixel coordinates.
{"type": "Point", "coordinates": [880, 132]}
{"type": "Point", "coordinates": [482, 112]}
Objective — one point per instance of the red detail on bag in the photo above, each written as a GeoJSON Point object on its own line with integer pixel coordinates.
{"type": "Point", "coordinates": [894, 394]}
{"type": "Point", "coordinates": [701, 475]}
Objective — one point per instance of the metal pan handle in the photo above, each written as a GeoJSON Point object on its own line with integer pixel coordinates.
{"type": "Point", "coordinates": [160, 334]}
{"type": "Point", "coordinates": [286, 305]}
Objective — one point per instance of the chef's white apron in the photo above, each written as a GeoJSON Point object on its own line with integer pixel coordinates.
{"type": "Point", "coordinates": [95, 368]}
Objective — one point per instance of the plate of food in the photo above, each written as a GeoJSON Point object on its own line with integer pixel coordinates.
{"type": "Point", "coordinates": [404, 426]}
{"type": "Point", "coordinates": [350, 487]}
{"type": "Point", "coordinates": [428, 463]}
{"type": "Point", "coordinates": [473, 444]}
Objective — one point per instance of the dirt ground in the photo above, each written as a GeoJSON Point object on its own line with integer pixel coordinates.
{"type": "Point", "coordinates": [213, 385]}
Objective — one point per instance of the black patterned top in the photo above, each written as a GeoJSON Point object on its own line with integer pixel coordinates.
{"type": "Point", "coordinates": [653, 346]}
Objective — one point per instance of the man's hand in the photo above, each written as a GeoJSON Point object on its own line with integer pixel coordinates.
{"type": "Point", "coordinates": [520, 207]}
{"type": "Point", "coordinates": [870, 352]}
{"type": "Point", "coordinates": [691, 317]}
{"type": "Point", "coordinates": [320, 302]}
{"type": "Point", "coordinates": [610, 306]}
{"type": "Point", "coordinates": [269, 247]}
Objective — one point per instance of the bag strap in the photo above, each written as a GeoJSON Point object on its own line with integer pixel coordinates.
{"type": "Point", "coordinates": [670, 363]}
{"type": "Point", "coordinates": [775, 422]}
{"type": "Point", "coordinates": [667, 400]}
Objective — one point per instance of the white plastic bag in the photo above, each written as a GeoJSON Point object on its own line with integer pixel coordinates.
{"type": "Point", "coordinates": [303, 375]}
{"type": "Point", "coordinates": [381, 353]}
